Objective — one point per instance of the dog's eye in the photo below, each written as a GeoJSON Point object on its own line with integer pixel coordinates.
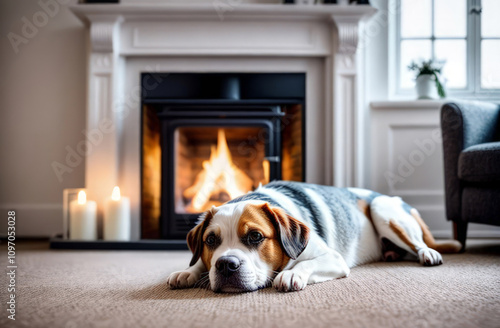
{"type": "Point", "coordinates": [210, 241]}
{"type": "Point", "coordinates": [255, 237]}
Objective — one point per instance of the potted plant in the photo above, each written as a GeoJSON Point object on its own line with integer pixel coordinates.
{"type": "Point", "coordinates": [428, 79]}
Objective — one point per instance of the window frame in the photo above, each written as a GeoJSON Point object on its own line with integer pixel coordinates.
{"type": "Point", "coordinates": [473, 38]}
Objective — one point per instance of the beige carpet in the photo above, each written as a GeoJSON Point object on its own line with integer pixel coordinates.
{"type": "Point", "coordinates": [126, 289]}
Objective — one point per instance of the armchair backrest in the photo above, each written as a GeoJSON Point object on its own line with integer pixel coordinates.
{"type": "Point", "coordinates": [464, 124]}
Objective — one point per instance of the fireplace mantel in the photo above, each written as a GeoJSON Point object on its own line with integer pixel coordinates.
{"type": "Point", "coordinates": [320, 40]}
{"type": "Point", "coordinates": [212, 11]}
{"type": "Point", "coordinates": [104, 18]}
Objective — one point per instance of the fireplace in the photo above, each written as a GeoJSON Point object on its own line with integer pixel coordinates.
{"type": "Point", "coordinates": [127, 40]}
{"type": "Point", "coordinates": [211, 137]}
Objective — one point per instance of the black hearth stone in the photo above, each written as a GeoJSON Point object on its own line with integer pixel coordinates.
{"type": "Point", "coordinates": [138, 245]}
{"type": "Point", "coordinates": [100, 1]}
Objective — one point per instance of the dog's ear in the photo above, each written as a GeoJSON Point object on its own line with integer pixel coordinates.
{"type": "Point", "coordinates": [292, 233]}
{"type": "Point", "coordinates": [195, 236]}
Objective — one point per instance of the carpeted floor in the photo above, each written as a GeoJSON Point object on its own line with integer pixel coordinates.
{"type": "Point", "coordinates": [126, 289]}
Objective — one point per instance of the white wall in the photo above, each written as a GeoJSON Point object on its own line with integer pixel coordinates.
{"type": "Point", "coordinates": [42, 110]}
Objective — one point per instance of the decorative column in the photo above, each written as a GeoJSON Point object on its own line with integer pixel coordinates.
{"type": "Point", "coordinates": [348, 120]}
{"type": "Point", "coordinates": [103, 120]}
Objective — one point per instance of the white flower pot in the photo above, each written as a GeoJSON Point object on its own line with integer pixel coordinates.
{"type": "Point", "coordinates": [426, 87]}
{"type": "Point", "coordinates": [305, 2]}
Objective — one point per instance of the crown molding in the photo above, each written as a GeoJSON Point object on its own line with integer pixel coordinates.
{"type": "Point", "coordinates": [138, 11]}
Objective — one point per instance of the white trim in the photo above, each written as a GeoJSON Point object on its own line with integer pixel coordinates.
{"type": "Point", "coordinates": [407, 104]}
{"type": "Point", "coordinates": [442, 234]}
{"type": "Point", "coordinates": [201, 10]}
{"type": "Point", "coordinates": [31, 206]}
{"type": "Point", "coordinates": [392, 55]}
{"type": "Point", "coordinates": [479, 234]}
{"type": "Point", "coordinates": [416, 192]}
{"type": "Point", "coordinates": [483, 234]}
{"type": "Point", "coordinates": [35, 220]}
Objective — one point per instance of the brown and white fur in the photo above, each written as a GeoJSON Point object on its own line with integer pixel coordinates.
{"type": "Point", "coordinates": [289, 235]}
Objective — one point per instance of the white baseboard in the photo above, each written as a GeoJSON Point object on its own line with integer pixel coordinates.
{"type": "Point", "coordinates": [33, 220]}
{"type": "Point", "coordinates": [472, 233]}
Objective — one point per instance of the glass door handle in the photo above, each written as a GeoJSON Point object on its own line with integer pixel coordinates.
{"type": "Point", "coordinates": [272, 159]}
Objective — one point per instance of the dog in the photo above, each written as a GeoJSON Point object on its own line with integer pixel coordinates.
{"type": "Point", "coordinates": [291, 234]}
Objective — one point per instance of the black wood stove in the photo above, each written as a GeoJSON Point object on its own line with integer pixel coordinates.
{"type": "Point", "coordinates": [207, 138]}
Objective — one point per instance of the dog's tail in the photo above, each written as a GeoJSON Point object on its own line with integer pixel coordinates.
{"type": "Point", "coordinates": [444, 246]}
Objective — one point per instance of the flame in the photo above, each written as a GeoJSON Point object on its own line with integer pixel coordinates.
{"type": "Point", "coordinates": [266, 166]}
{"type": "Point", "coordinates": [82, 197]}
{"type": "Point", "coordinates": [219, 174]}
{"type": "Point", "coordinates": [115, 195]}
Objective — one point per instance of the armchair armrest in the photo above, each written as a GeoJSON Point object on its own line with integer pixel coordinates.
{"type": "Point", "coordinates": [464, 124]}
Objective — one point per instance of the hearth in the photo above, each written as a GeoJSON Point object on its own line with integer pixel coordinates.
{"type": "Point", "coordinates": [207, 138]}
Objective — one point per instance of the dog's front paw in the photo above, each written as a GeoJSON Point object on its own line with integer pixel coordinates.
{"type": "Point", "coordinates": [429, 257]}
{"type": "Point", "coordinates": [289, 281]}
{"type": "Point", "coordinates": [182, 279]}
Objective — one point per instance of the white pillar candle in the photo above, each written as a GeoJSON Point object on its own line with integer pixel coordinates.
{"type": "Point", "coordinates": [82, 218]}
{"type": "Point", "coordinates": [117, 217]}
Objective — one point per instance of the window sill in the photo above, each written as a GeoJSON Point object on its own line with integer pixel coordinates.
{"type": "Point", "coordinates": [410, 95]}
{"type": "Point", "coordinates": [408, 104]}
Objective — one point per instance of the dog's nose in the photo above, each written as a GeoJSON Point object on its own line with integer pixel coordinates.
{"type": "Point", "coordinates": [227, 265]}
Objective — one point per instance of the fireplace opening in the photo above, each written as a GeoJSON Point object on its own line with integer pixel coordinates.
{"type": "Point", "coordinates": [213, 165]}
{"type": "Point", "coordinates": [208, 138]}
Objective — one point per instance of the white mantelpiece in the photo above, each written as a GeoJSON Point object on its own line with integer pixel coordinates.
{"type": "Point", "coordinates": [320, 40]}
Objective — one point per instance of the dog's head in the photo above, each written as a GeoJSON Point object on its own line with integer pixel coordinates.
{"type": "Point", "coordinates": [244, 245]}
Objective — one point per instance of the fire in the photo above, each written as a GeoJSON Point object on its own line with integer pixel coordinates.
{"type": "Point", "coordinates": [219, 175]}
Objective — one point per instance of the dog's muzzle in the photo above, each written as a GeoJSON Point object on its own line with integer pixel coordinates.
{"type": "Point", "coordinates": [227, 265]}
{"type": "Point", "coordinates": [232, 276]}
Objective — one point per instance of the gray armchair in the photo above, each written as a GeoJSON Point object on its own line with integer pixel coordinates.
{"type": "Point", "coordinates": [471, 148]}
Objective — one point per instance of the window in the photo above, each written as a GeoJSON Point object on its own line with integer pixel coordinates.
{"type": "Point", "coordinates": [463, 33]}
{"type": "Point", "coordinates": [490, 44]}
